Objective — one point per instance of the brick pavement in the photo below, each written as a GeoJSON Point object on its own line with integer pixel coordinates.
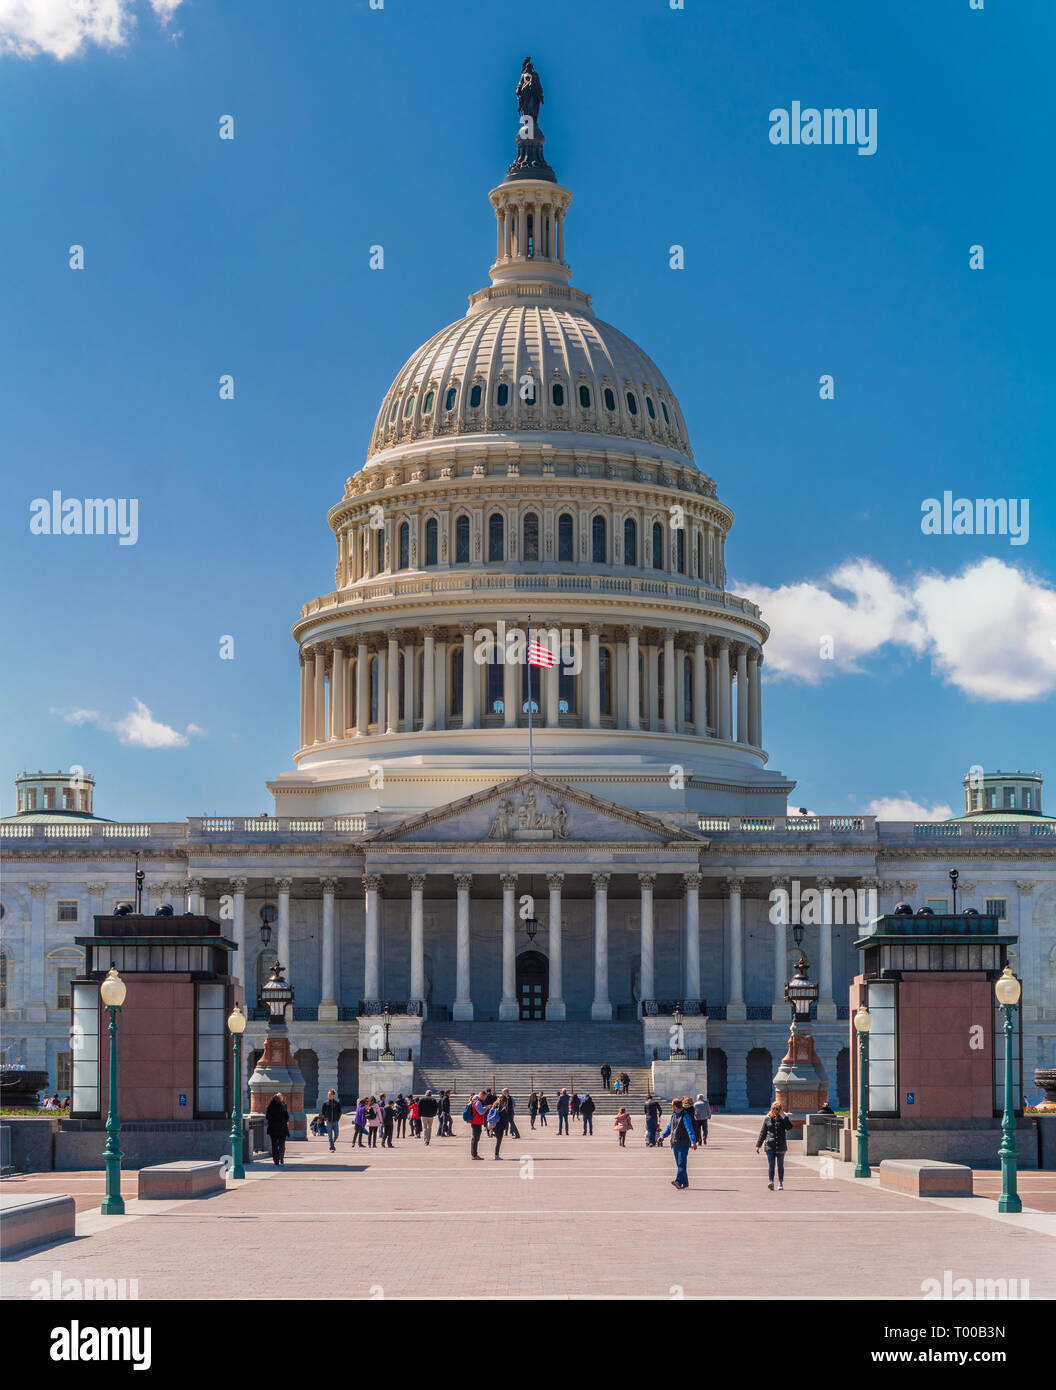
{"type": "Point", "coordinates": [559, 1217]}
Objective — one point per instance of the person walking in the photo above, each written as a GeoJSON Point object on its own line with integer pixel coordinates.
{"type": "Point", "coordinates": [402, 1111]}
{"type": "Point", "coordinates": [388, 1120]}
{"type": "Point", "coordinates": [562, 1111]}
{"type": "Point", "coordinates": [331, 1114]}
{"type": "Point", "coordinates": [360, 1122]}
{"type": "Point", "coordinates": [373, 1122]}
{"type": "Point", "coordinates": [427, 1108]}
{"type": "Point", "coordinates": [774, 1134]}
{"type": "Point", "coordinates": [511, 1109]}
{"type": "Point", "coordinates": [499, 1122]}
{"type": "Point", "coordinates": [701, 1116]}
{"type": "Point", "coordinates": [533, 1108]}
{"type": "Point", "coordinates": [683, 1138]}
{"type": "Point", "coordinates": [606, 1075]}
{"type": "Point", "coordinates": [444, 1114]}
{"type": "Point", "coordinates": [478, 1119]}
{"type": "Point", "coordinates": [277, 1118]}
{"type": "Point", "coordinates": [653, 1112]}
{"type": "Point", "coordinates": [544, 1110]}
{"type": "Point", "coordinates": [586, 1109]}
{"type": "Point", "coordinates": [622, 1124]}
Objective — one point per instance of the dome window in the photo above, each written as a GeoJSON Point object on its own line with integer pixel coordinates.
{"type": "Point", "coordinates": [462, 540]}
{"type": "Point", "coordinates": [658, 546]}
{"type": "Point", "coordinates": [430, 541]}
{"type": "Point", "coordinates": [557, 394]}
{"type": "Point", "coordinates": [650, 407]}
{"type": "Point", "coordinates": [427, 408]}
{"type": "Point", "coordinates": [680, 550]}
{"type": "Point", "coordinates": [632, 402]}
{"type": "Point", "coordinates": [610, 399]}
{"type": "Point", "coordinates": [475, 395]}
{"type": "Point", "coordinates": [502, 395]}
{"type": "Point", "coordinates": [531, 537]}
{"type": "Point", "coordinates": [496, 537]}
{"type": "Point", "coordinates": [597, 531]}
{"type": "Point", "coordinates": [450, 398]}
{"type": "Point", "coordinates": [584, 397]}
{"type": "Point", "coordinates": [667, 418]}
{"type": "Point", "coordinates": [565, 537]}
{"type": "Point", "coordinates": [394, 412]}
{"type": "Point", "coordinates": [405, 545]}
{"type": "Point", "coordinates": [630, 542]}
{"type": "Point", "coordinates": [409, 407]}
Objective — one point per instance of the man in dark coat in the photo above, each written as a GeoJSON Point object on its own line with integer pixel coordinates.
{"type": "Point", "coordinates": [563, 1103]}
{"type": "Point", "coordinates": [331, 1113]}
{"type": "Point", "coordinates": [653, 1111]}
{"type": "Point", "coordinates": [427, 1108]}
{"type": "Point", "coordinates": [606, 1075]}
{"type": "Point", "coordinates": [277, 1118]}
{"type": "Point", "coordinates": [510, 1108]}
{"type": "Point", "coordinates": [586, 1109]}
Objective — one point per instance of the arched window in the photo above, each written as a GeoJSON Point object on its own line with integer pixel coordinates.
{"type": "Point", "coordinates": [405, 545]}
{"type": "Point", "coordinates": [658, 546]}
{"type": "Point", "coordinates": [409, 407]}
{"type": "Point", "coordinates": [496, 538]}
{"type": "Point", "coordinates": [528, 389]}
{"type": "Point", "coordinates": [462, 540]}
{"type": "Point", "coordinates": [680, 549]}
{"type": "Point", "coordinates": [584, 397]}
{"type": "Point", "coordinates": [531, 537]}
{"type": "Point", "coordinates": [394, 411]}
{"type": "Point", "coordinates": [630, 542]}
{"type": "Point", "coordinates": [450, 398]}
{"type": "Point", "coordinates": [475, 395]}
{"type": "Point", "coordinates": [650, 407]}
{"type": "Point", "coordinates": [456, 683]}
{"type": "Point", "coordinates": [632, 402]}
{"type": "Point", "coordinates": [605, 680]}
{"type": "Point", "coordinates": [565, 537]}
{"type": "Point", "coordinates": [597, 531]}
{"type": "Point", "coordinates": [610, 399]}
{"type": "Point", "coordinates": [557, 394]}
{"type": "Point", "coordinates": [502, 395]}
{"type": "Point", "coordinates": [667, 418]}
{"type": "Point", "coordinates": [427, 404]}
{"type": "Point", "coordinates": [379, 549]}
{"type": "Point", "coordinates": [430, 541]}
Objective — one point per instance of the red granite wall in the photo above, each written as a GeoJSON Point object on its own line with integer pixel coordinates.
{"type": "Point", "coordinates": [949, 1077]}
{"type": "Point", "coordinates": [155, 1050]}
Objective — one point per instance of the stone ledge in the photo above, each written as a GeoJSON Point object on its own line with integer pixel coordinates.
{"type": "Point", "coordinates": [188, 1178]}
{"type": "Point", "coordinates": [926, 1177]}
{"type": "Point", "coordinates": [32, 1219]}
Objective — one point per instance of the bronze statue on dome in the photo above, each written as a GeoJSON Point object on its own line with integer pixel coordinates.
{"type": "Point", "coordinates": [529, 91]}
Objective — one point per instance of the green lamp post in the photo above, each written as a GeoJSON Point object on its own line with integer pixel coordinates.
{"type": "Point", "coordinates": [236, 1026]}
{"type": "Point", "coordinates": [1008, 990]}
{"type": "Point", "coordinates": [863, 1021]}
{"type": "Point", "coordinates": [112, 993]}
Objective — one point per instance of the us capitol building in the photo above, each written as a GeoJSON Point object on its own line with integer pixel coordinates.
{"type": "Point", "coordinates": [529, 473]}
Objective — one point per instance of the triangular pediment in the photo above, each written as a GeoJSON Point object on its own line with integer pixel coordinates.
{"type": "Point", "coordinates": [530, 809]}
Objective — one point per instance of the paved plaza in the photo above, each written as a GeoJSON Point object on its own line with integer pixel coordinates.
{"type": "Point", "coordinates": [559, 1217]}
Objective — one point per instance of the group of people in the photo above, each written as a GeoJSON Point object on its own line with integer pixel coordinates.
{"type": "Point", "coordinates": [574, 1106]}
{"type": "Point", "coordinates": [46, 1102]}
{"type": "Point", "coordinates": [387, 1117]}
{"type": "Point", "coordinates": [622, 1084]}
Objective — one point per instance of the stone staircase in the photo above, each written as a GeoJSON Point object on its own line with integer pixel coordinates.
{"type": "Point", "coordinates": [466, 1056]}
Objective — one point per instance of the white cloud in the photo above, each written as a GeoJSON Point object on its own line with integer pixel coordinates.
{"type": "Point", "coordinates": [64, 27]}
{"type": "Point", "coordinates": [904, 808]}
{"type": "Point", "coordinates": [990, 631]}
{"type": "Point", "coordinates": [138, 729]}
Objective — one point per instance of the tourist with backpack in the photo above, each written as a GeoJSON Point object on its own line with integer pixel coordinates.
{"type": "Point", "coordinates": [622, 1124]}
{"type": "Point", "coordinates": [544, 1110]}
{"type": "Point", "coordinates": [373, 1122]}
{"type": "Point", "coordinates": [360, 1123]}
{"type": "Point", "coordinates": [563, 1104]}
{"type": "Point", "coordinates": [653, 1111]}
{"type": "Point", "coordinates": [586, 1109]}
{"type": "Point", "coordinates": [499, 1122]}
{"type": "Point", "coordinates": [476, 1116]}
{"type": "Point", "coordinates": [683, 1138]}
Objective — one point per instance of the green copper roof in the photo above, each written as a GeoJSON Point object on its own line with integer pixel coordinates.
{"type": "Point", "coordinates": [54, 818]}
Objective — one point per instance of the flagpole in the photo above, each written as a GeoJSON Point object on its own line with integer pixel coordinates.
{"type": "Point", "coordinates": [528, 667]}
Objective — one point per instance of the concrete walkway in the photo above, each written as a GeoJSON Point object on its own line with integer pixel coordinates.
{"type": "Point", "coordinates": [560, 1217]}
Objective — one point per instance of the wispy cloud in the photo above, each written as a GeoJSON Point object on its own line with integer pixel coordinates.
{"type": "Point", "coordinates": [990, 631]}
{"type": "Point", "coordinates": [905, 808]}
{"type": "Point", "coordinates": [63, 28]}
{"type": "Point", "coordinates": [138, 729]}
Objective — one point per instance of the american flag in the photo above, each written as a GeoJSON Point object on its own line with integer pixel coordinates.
{"type": "Point", "coordinates": [538, 655]}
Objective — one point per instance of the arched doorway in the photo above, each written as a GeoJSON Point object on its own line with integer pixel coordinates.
{"type": "Point", "coordinates": [716, 1076]}
{"type": "Point", "coordinates": [760, 1079]}
{"type": "Point", "coordinates": [308, 1062]}
{"type": "Point", "coordinates": [348, 1077]}
{"type": "Point", "coordinates": [533, 977]}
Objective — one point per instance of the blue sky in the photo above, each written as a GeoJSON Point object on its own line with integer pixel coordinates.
{"type": "Point", "coordinates": [356, 126]}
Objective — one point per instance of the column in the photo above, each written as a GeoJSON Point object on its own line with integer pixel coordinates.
{"type": "Point", "coordinates": [319, 685]}
{"type": "Point", "coordinates": [826, 1004]}
{"type": "Point", "coordinates": [755, 706]}
{"type": "Point", "coordinates": [306, 699]}
{"type": "Point", "coordinates": [500, 218]}
{"type": "Point", "coordinates": [713, 690]}
{"type": "Point", "coordinates": [1028, 970]}
{"type": "Point", "coordinates": [780, 953]}
{"type": "Point", "coordinates": [418, 938]}
{"type": "Point", "coordinates": [692, 882]}
{"type": "Point", "coordinates": [429, 683]}
{"type": "Point", "coordinates": [283, 885]}
{"type": "Point", "coordinates": [652, 685]}
{"type": "Point", "coordinates": [735, 1005]}
{"type": "Point", "coordinates": [555, 1004]}
{"type": "Point", "coordinates": [522, 231]}
{"type": "Point", "coordinates": [725, 730]}
{"type": "Point", "coordinates": [383, 685]}
{"type": "Point", "coordinates": [37, 945]}
{"type": "Point", "coordinates": [700, 687]}
{"type": "Point", "coordinates": [237, 966]}
{"type": "Point", "coordinates": [337, 693]}
{"type": "Point", "coordinates": [594, 684]}
{"type": "Point", "coordinates": [670, 687]}
{"type": "Point", "coordinates": [463, 1007]}
{"type": "Point", "coordinates": [362, 689]}
{"type": "Point", "coordinates": [648, 983]}
{"type": "Point", "coordinates": [511, 675]}
{"type": "Point", "coordinates": [601, 1008]}
{"type": "Point", "coordinates": [371, 937]}
{"type": "Point", "coordinates": [742, 695]}
{"type": "Point", "coordinates": [328, 1001]}
{"type": "Point", "coordinates": [392, 718]}
{"type": "Point", "coordinates": [508, 1006]}
{"type": "Point", "coordinates": [633, 693]}
{"type": "Point", "coordinates": [195, 896]}
{"type": "Point", "coordinates": [469, 678]}
{"type": "Point", "coordinates": [410, 685]}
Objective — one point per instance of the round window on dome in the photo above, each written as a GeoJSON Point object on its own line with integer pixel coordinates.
{"type": "Point", "coordinates": [557, 394]}
{"type": "Point", "coordinates": [610, 398]}
{"type": "Point", "coordinates": [475, 395]}
{"type": "Point", "coordinates": [650, 407]}
{"type": "Point", "coordinates": [502, 395]}
{"type": "Point", "coordinates": [584, 397]}
{"type": "Point", "coordinates": [632, 402]}
{"type": "Point", "coordinates": [430, 397]}
{"type": "Point", "coordinates": [450, 398]}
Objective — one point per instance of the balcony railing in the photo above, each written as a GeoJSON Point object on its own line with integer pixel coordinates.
{"type": "Point", "coordinates": [795, 825]}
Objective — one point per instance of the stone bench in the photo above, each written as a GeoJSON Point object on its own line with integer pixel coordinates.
{"type": "Point", "coordinates": [187, 1178]}
{"type": "Point", "coordinates": [926, 1177]}
{"type": "Point", "coordinates": [31, 1218]}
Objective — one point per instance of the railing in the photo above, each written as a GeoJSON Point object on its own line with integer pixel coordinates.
{"type": "Point", "coordinates": [370, 1008]}
{"type": "Point", "coordinates": [692, 1008]}
{"type": "Point", "coordinates": [395, 1054]}
{"type": "Point", "coordinates": [833, 1125]}
{"type": "Point", "coordinates": [718, 1013]}
{"type": "Point", "coordinates": [667, 1054]}
{"type": "Point", "coordinates": [757, 1013]}
{"type": "Point", "coordinates": [277, 825]}
{"type": "Point", "coordinates": [767, 825]}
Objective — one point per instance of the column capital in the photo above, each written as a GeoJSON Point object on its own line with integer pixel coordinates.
{"type": "Point", "coordinates": [600, 882]}
{"type": "Point", "coordinates": [509, 883]}
{"type": "Point", "coordinates": [594, 629]}
{"type": "Point", "coordinates": [284, 884]}
{"type": "Point", "coordinates": [555, 881]}
{"type": "Point", "coordinates": [463, 882]}
{"type": "Point", "coordinates": [868, 883]}
{"type": "Point", "coordinates": [824, 881]}
{"type": "Point", "coordinates": [328, 885]}
{"type": "Point", "coordinates": [417, 882]}
{"type": "Point", "coordinates": [906, 886]}
{"type": "Point", "coordinates": [647, 880]}
{"type": "Point", "coordinates": [1024, 887]}
{"type": "Point", "coordinates": [467, 629]}
{"type": "Point", "coordinates": [196, 885]}
{"type": "Point", "coordinates": [734, 885]}
{"type": "Point", "coordinates": [239, 885]}
{"type": "Point", "coordinates": [780, 881]}
{"type": "Point", "coordinates": [692, 881]}
{"type": "Point", "coordinates": [37, 890]}
{"type": "Point", "coordinates": [372, 883]}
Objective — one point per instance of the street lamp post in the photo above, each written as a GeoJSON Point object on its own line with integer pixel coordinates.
{"type": "Point", "coordinates": [679, 1017]}
{"type": "Point", "coordinates": [112, 993]}
{"type": "Point", "coordinates": [236, 1026]}
{"type": "Point", "coordinates": [863, 1021]}
{"type": "Point", "coordinates": [387, 1054]}
{"type": "Point", "coordinates": [1008, 990]}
